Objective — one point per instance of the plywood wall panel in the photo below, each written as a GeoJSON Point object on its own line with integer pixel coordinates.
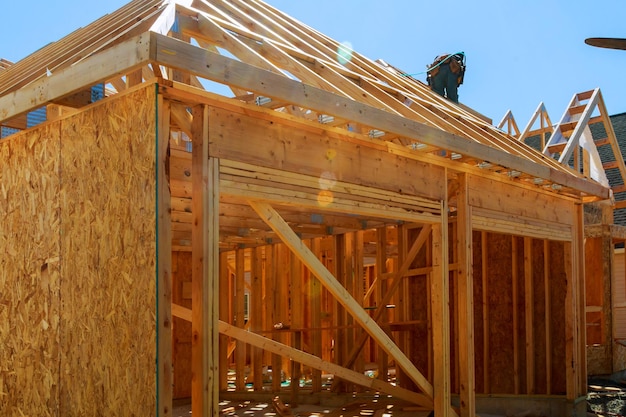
{"type": "Point", "coordinates": [29, 273]}
{"type": "Point", "coordinates": [539, 316]}
{"type": "Point", "coordinates": [558, 290]}
{"type": "Point", "coordinates": [108, 248]}
{"type": "Point", "coordinates": [479, 328]}
{"type": "Point", "coordinates": [499, 281]}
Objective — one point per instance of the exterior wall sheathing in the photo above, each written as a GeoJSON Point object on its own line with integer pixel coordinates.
{"type": "Point", "coordinates": [77, 289]}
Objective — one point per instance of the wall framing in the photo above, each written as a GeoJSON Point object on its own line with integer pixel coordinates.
{"type": "Point", "coordinates": [420, 265]}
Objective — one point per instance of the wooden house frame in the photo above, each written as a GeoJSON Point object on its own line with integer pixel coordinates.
{"type": "Point", "coordinates": [323, 191]}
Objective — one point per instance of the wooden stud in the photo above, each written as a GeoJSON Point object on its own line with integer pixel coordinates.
{"type": "Point", "coordinates": [226, 298]}
{"type": "Point", "coordinates": [205, 271]}
{"type": "Point", "coordinates": [256, 314]}
{"type": "Point", "coordinates": [297, 321]}
{"type": "Point", "coordinates": [240, 350]}
{"type": "Point", "coordinates": [164, 265]}
{"type": "Point", "coordinates": [381, 269]}
{"type": "Point", "coordinates": [315, 295]}
{"type": "Point", "coordinates": [465, 301]}
{"type": "Point", "coordinates": [439, 288]}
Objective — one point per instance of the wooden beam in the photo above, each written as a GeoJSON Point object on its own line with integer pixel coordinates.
{"type": "Point", "coordinates": [177, 54]}
{"type": "Point", "coordinates": [307, 359]}
{"type": "Point", "coordinates": [205, 271]}
{"type": "Point", "coordinates": [465, 301]}
{"type": "Point", "coordinates": [113, 62]}
{"type": "Point", "coordinates": [440, 317]}
{"type": "Point", "coordinates": [273, 219]}
{"type": "Point", "coordinates": [164, 266]}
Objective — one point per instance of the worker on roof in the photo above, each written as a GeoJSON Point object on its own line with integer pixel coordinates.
{"type": "Point", "coordinates": [445, 75]}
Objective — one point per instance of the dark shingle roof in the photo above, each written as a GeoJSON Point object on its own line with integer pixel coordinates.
{"type": "Point", "coordinates": [619, 126]}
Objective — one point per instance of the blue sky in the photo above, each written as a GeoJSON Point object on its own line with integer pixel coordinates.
{"type": "Point", "coordinates": [519, 52]}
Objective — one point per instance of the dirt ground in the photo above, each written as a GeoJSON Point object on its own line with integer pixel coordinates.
{"type": "Point", "coordinates": [606, 398]}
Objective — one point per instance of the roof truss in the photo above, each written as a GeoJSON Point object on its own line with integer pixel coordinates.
{"type": "Point", "coordinates": [266, 57]}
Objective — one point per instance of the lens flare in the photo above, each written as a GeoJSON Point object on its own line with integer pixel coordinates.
{"type": "Point", "coordinates": [325, 198]}
{"type": "Point", "coordinates": [327, 180]}
{"type": "Point", "coordinates": [344, 52]}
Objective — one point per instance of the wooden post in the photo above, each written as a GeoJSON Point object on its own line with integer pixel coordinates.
{"type": "Point", "coordinates": [256, 314]}
{"type": "Point", "coordinates": [164, 265]}
{"type": "Point", "coordinates": [465, 301]}
{"type": "Point", "coordinates": [205, 270]}
{"type": "Point", "coordinates": [339, 313]}
{"type": "Point", "coordinates": [225, 300]}
{"type": "Point", "coordinates": [485, 260]}
{"type": "Point", "coordinates": [240, 349]}
{"type": "Point", "coordinates": [359, 293]}
{"type": "Point", "coordinates": [440, 317]}
{"type": "Point", "coordinates": [297, 322]}
{"type": "Point", "coordinates": [574, 312]}
{"type": "Point", "coordinates": [315, 294]}
{"type": "Point", "coordinates": [579, 259]}
{"type": "Point", "coordinates": [381, 268]}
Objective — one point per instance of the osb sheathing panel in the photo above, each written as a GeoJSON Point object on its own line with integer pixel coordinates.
{"type": "Point", "coordinates": [29, 273]}
{"type": "Point", "coordinates": [108, 249]}
{"type": "Point", "coordinates": [77, 278]}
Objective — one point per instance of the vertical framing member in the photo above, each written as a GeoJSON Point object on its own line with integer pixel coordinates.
{"type": "Point", "coordinates": [164, 264]}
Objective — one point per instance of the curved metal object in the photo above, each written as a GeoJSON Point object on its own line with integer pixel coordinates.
{"type": "Point", "coordinates": [611, 43]}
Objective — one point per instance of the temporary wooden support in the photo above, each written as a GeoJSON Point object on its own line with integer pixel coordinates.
{"type": "Point", "coordinates": [295, 244]}
{"type": "Point", "coordinates": [307, 359]}
{"type": "Point", "coordinates": [391, 290]}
